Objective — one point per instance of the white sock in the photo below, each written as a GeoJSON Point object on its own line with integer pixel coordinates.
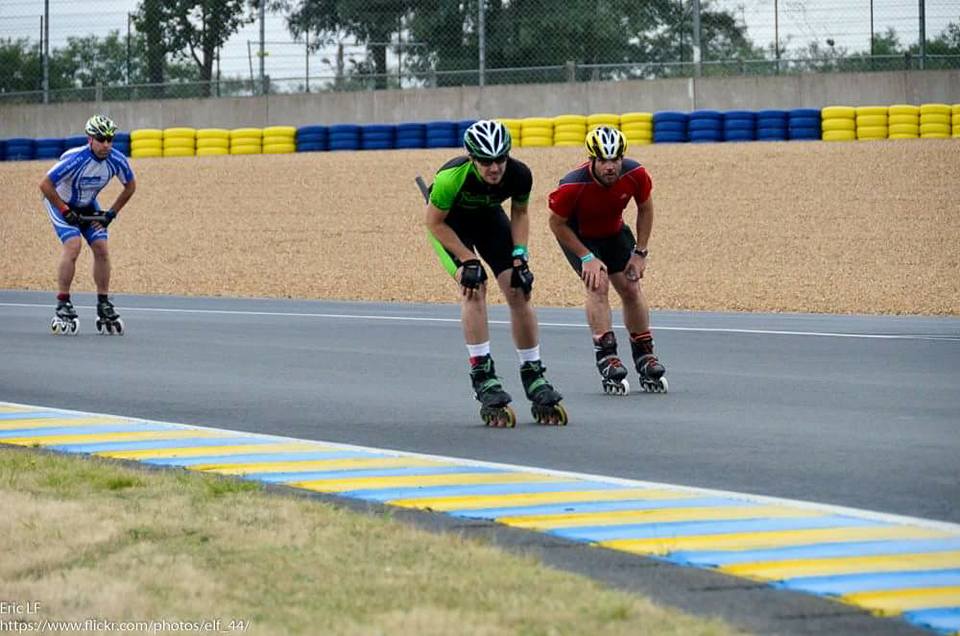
{"type": "Point", "coordinates": [477, 350]}
{"type": "Point", "coordinates": [529, 355]}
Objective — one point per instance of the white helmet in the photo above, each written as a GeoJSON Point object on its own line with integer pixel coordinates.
{"type": "Point", "coordinates": [100, 126]}
{"type": "Point", "coordinates": [487, 139]}
{"type": "Point", "coordinates": [605, 142]}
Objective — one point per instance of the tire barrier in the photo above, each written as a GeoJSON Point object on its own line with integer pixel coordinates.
{"type": "Point", "coordinates": [839, 123]}
{"type": "Point", "coordinates": [705, 126]}
{"type": "Point", "coordinates": [603, 119]}
{"type": "Point", "coordinates": [935, 121]}
{"type": "Point", "coordinates": [179, 142]}
{"type": "Point", "coordinates": [21, 149]}
{"type": "Point", "coordinates": [121, 142]}
{"type": "Point", "coordinates": [872, 122]}
{"type": "Point", "coordinates": [146, 142]}
{"type": "Point", "coordinates": [3, 149]}
{"type": "Point", "coordinates": [344, 137]}
{"type": "Point", "coordinates": [637, 128]}
{"type": "Point", "coordinates": [669, 127]}
{"type": "Point", "coordinates": [955, 118]}
{"type": "Point", "coordinates": [413, 135]}
{"type": "Point", "coordinates": [740, 125]}
{"type": "Point", "coordinates": [279, 140]}
{"type": "Point", "coordinates": [246, 141]}
{"type": "Point", "coordinates": [74, 141]}
{"type": "Point", "coordinates": [536, 132]}
{"type": "Point", "coordinates": [803, 124]}
{"type": "Point", "coordinates": [442, 134]}
{"type": "Point", "coordinates": [377, 137]}
{"type": "Point", "coordinates": [904, 121]}
{"type": "Point", "coordinates": [48, 148]}
{"type": "Point", "coordinates": [569, 130]}
{"type": "Point", "coordinates": [312, 138]}
{"type": "Point", "coordinates": [462, 126]}
{"type": "Point", "coordinates": [514, 126]}
{"type": "Point", "coordinates": [213, 142]}
{"type": "Point", "coordinates": [772, 125]}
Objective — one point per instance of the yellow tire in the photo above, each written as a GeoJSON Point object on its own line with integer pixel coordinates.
{"type": "Point", "coordinates": [536, 142]}
{"type": "Point", "coordinates": [146, 144]}
{"type": "Point", "coordinates": [905, 109]}
{"type": "Point", "coordinates": [646, 141]}
{"type": "Point", "coordinates": [903, 136]}
{"type": "Point", "coordinates": [280, 131]}
{"type": "Point", "coordinates": [956, 109]}
{"type": "Point", "coordinates": [570, 129]}
{"type": "Point", "coordinates": [140, 153]}
{"type": "Point", "coordinates": [934, 109]}
{"type": "Point", "coordinates": [209, 142]}
{"type": "Point", "coordinates": [872, 132]}
{"type": "Point", "coordinates": [636, 125]}
{"type": "Point", "coordinates": [567, 144]}
{"type": "Point", "coordinates": [145, 133]}
{"type": "Point", "coordinates": [179, 152]}
{"type": "Point", "coordinates": [213, 133]}
{"type": "Point", "coordinates": [237, 133]}
{"type": "Point", "coordinates": [844, 112]}
{"type": "Point", "coordinates": [837, 123]}
{"type": "Point", "coordinates": [839, 135]}
{"type": "Point", "coordinates": [636, 118]}
{"type": "Point", "coordinates": [245, 149]}
{"type": "Point", "coordinates": [278, 149]}
{"type": "Point", "coordinates": [536, 122]}
{"type": "Point", "coordinates": [566, 120]}
{"type": "Point", "coordinates": [179, 142]}
{"type": "Point", "coordinates": [210, 151]}
{"type": "Point", "coordinates": [274, 140]}
{"type": "Point", "coordinates": [245, 141]}
{"type": "Point", "coordinates": [934, 136]}
{"type": "Point", "coordinates": [934, 129]}
{"type": "Point", "coordinates": [904, 119]}
{"type": "Point", "coordinates": [509, 123]}
{"type": "Point", "coordinates": [871, 120]}
{"type": "Point", "coordinates": [568, 138]}
{"type": "Point", "coordinates": [603, 119]}
{"type": "Point", "coordinates": [935, 118]}
{"type": "Point", "coordinates": [905, 129]}
{"type": "Point", "coordinates": [872, 111]}
{"type": "Point", "coordinates": [536, 131]}
{"type": "Point", "coordinates": [956, 130]}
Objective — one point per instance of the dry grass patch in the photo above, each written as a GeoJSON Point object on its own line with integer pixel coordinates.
{"type": "Point", "coordinates": [90, 538]}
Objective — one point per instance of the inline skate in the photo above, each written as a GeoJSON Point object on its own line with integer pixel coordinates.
{"type": "Point", "coordinates": [495, 408]}
{"type": "Point", "coordinates": [613, 375]}
{"type": "Point", "coordinates": [544, 399]}
{"type": "Point", "coordinates": [65, 320]}
{"type": "Point", "coordinates": [649, 368]}
{"type": "Point", "coordinates": [108, 320]}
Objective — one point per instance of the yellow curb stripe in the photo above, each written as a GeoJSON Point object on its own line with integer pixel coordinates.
{"type": "Point", "coordinates": [319, 464]}
{"type": "Point", "coordinates": [111, 437]}
{"type": "Point", "coordinates": [61, 422]}
{"type": "Point", "coordinates": [780, 570]}
{"type": "Point", "coordinates": [893, 602]}
{"type": "Point", "coordinates": [533, 499]}
{"type": "Point", "coordinates": [203, 451]}
{"type": "Point", "coordinates": [662, 515]}
{"type": "Point", "coordinates": [422, 481]}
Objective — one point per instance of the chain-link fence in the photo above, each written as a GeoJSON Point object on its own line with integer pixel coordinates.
{"type": "Point", "coordinates": [149, 49]}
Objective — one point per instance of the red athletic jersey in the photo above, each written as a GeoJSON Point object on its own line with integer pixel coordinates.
{"type": "Point", "coordinates": [597, 211]}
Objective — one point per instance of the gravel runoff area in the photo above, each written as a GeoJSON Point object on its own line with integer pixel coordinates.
{"type": "Point", "coordinates": [862, 227]}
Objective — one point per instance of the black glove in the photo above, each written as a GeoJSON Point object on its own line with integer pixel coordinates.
{"type": "Point", "coordinates": [108, 218]}
{"type": "Point", "coordinates": [473, 274]}
{"type": "Point", "coordinates": [522, 277]}
{"type": "Point", "coordinates": [70, 216]}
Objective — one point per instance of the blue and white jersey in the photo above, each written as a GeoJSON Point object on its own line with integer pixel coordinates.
{"type": "Point", "coordinates": [79, 176]}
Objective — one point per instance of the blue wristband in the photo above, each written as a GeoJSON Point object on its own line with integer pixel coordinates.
{"type": "Point", "coordinates": [586, 259]}
{"type": "Point", "coordinates": [520, 251]}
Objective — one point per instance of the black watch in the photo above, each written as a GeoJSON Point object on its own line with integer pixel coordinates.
{"type": "Point", "coordinates": [642, 253]}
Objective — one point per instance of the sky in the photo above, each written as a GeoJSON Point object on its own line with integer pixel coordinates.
{"type": "Point", "coordinates": [847, 22]}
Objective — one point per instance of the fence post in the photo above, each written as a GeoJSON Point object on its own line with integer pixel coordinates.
{"type": "Point", "coordinates": [571, 68]}
{"type": "Point", "coordinates": [98, 94]}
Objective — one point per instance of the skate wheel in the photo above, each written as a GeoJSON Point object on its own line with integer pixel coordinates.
{"type": "Point", "coordinates": [501, 417]}
{"type": "Point", "coordinates": [118, 327]}
{"type": "Point", "coordinates": [100, 327]}
{"type": "Point", "coordinates": [560, 417]}
{"type": "Point", "coordinates": [74, 327]}
{"type": "Point", "coordinates": [55, 327]}
{"type": "Point", "coordinates": [664, 387]}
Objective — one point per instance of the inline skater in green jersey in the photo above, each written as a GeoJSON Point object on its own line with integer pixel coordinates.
{"type": "Point", "coordinates": [467, 223]}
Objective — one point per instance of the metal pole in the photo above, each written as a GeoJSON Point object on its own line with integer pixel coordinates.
{"type": "Point", "coordinates": [923, 33]}
{"type": "Point", "coordinates": [481, 40]}
{"type": "Point", "coordinates": [263, 53]}
{"type": "Point", "coordinates": [872, 49]}
{"type": "Point", "coordinates": [697, 65]}
{"type": "Point", "coordinates": [46, 51]}
{"type": "Point", "coordinates": [129, 19]}
{"type": "Point", "coordinates": [776, 33]}
{"type": "Point", "coordinates": [306, 49]}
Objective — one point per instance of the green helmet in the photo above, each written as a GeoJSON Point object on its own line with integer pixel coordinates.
{"type": "Point", "coordinates": [100, 125]}
{"type": "Point", "coordinates": [487, 139]}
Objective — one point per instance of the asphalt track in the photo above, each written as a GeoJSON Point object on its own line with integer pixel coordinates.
{"type": "Point", "coordinates": [852, 411]}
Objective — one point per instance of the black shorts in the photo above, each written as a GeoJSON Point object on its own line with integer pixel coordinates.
{"type": "Point", "coordinates": [487, 231]}
{"type": "Point", "coordinates": [615, 251]}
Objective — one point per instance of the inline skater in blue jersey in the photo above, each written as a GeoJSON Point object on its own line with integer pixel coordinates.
{"type": "Point", "coordinates": [70, 190]}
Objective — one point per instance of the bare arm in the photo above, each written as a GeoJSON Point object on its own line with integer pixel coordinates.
{"type": "Point", "coordinates": [124, 196]}
{"type": "Point", "coordinates": [635, 268]}
{"type": "Point", "coordinates": [593, 271]}
{"type": "Point", "coordinates": [519, 223]}
{"type": "Point", "coordinates": [50, 192]}
{"type": "Point", "coordinates": [437, 225]}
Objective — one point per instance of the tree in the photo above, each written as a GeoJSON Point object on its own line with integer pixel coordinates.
{"type": "Point", "coordinates": [21, 64]}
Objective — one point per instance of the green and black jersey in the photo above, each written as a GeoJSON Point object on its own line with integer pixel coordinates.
{"type": "Point", "coordinates": [457, 186]}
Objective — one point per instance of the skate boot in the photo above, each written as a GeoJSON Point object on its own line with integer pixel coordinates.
{"type": "Point", "coordinates": [649, 368]}
{"type": "Point", "coordinates": [612, 372]}
{"type": "Point", "coordinates": [495, 408]}
{"type": "Point", "coordinates": [108, 320]}
{"type": "Point", "coordinates": [544, 399]}
{"type": "Point", "coordinates": [65, 320]}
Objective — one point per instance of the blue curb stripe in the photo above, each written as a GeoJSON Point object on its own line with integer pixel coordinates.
{"type": "Point", "coordinates": [816, 551]}
{"type": "Point", "coordinates": [256, 459]}
{"type": "Point", "coordinates": [692, 528]}
{"type": "Point", "coordinates": [945, 620]}
{"type": "Point", "coordinates": [593, 506]}
{"type": "Point", "coordinates": [183, 442]}
{"type": "Point", "coordinates": [333, 475]}
{"type": "Point", "coordinates": [389, 494]}
{"type": "Point", "coordinates": [839, 585]}
{"type": "Point", "coordinates": [90, 429]}
{"type": "Point", "coordinates": [39, 415]}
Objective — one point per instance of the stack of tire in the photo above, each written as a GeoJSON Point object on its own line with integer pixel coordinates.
{"type": "Point", "coordinates": [955, 118]}
{"type": "Point", "coordinates": [872, 123]}
{"type": "Point", "coordinates": [569, 130]}
{"type": "Point", "coordinates": [462, 126]}
{"type": "Point", "coordinates": [121, 143]}
{"type": "Point", "coordinates": [705, 126]}
{"type": "Point", "coordinates": [740, 125]}
{"type": "Point", "coordinates": [48, 148]}
{"type": "Point", "coordinates": [3, 149]}
{"type": "Point", "coordinates": [411, 135]}
{"type": "Point", "coordinates": [312, 138]}
{"type": "Point", "coordinates": [344, 137]}
{"type": "Point", "coordinates": [246, 141]}
{"type": "Point", "coordinates": [536, 132]}
{"type": "Point", "coordinates": [669, 127]}
{"type": "Point", "coordinates": [803, 124]}
{"type": "Point", "coordinates": [442, 134]}
{"type": "Point", "coordinates": [514, 126]}
{"type": "Point", "coordinates": [179, 142]}
{"type": "Point", "coordinates": [772, 125]}
{"type": "Point", "coordinates": [279, 140]}
{"type": "Point", "coordinates": [839, 123]}
{"type": "Point", "coordinates": [935, 121]}
{"type": "Point", "coordinates": [378, 136]}
{"type": "Point", "coordinates": [212, 142]}
{"type": "Point", "coordinates": [637, 128]}
{"type": "Point", "coordinates": [21, 149]}
{"type": "Point", "coordinates": [75, 141]}
{"type": "Point", "coordinates": [904, 121]}
{"type": "Point", "coordinates": [146, 142]}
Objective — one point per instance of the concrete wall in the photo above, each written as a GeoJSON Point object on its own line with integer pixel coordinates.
{"type": "Point", "coordinates": [751, 93]}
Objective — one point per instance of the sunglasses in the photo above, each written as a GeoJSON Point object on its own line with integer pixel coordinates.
{"type": "Point", "coordinates": [103, 138]}
{"type": "Point", "coordinates": [488, 162]}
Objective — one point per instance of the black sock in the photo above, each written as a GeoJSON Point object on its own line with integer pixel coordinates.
{"type": "Point", "coordinates": [102, 298]}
